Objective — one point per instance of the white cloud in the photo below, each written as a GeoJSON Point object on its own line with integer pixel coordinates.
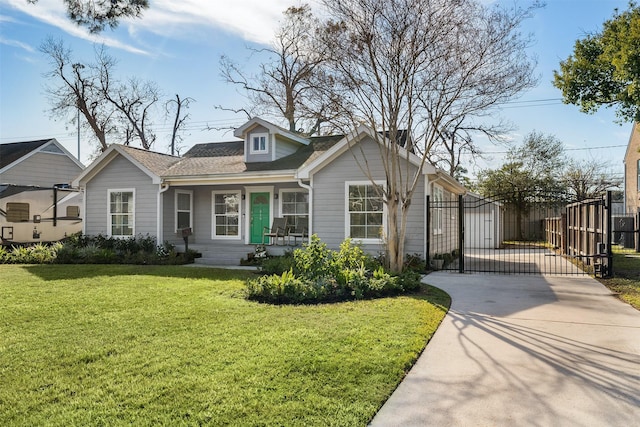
{"type": "Point", "coordinates": [16, 43]}
{"type": "Point", "coordinates": [5, 18]}
{"type": "Point", "coordinates": [253, 20]}
{"type": "Point", "coordinates": [53, 13]}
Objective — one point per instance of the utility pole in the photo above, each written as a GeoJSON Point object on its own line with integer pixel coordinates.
{"type": "Point", "coordinates": [77, 67]}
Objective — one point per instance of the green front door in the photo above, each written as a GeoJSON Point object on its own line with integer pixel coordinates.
{"type": "Point", "coordinates": [259, 216]}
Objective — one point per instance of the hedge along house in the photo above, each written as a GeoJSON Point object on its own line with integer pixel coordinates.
{"type": "Point", "coordinates": [228, 193]}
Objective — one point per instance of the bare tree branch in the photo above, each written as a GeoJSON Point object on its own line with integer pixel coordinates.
{"type": "Point", "coordinates": [424, 66]}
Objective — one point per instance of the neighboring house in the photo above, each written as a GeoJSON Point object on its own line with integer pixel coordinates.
{"type": "Point", "coordinates": [42, 163]}
{"type": "Point", "coordinates": [632, 172]}
{"type": "Point", "coordinates": [227, 193]}
{"type": "Point", "coordinates": [31, 209]}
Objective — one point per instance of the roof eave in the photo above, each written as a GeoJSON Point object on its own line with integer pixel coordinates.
{"type": "Point", "coordinates": [105, 158]}
{"type": "Point", "coordinates": [276, 130]}
{"type": "Point", "coordinates": [236, 178]}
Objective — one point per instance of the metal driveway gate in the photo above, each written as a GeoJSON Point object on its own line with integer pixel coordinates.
{"type": "Point", "coordinates": [545, 234]}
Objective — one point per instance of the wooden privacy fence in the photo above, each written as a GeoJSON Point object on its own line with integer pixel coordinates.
{"type": "Point", "coordinates": [554, 229]}
{"type": "Point", "coordinates": [581, 232]}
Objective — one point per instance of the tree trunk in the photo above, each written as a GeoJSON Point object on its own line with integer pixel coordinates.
{"type": "Point", "coordinates": [395, 243]}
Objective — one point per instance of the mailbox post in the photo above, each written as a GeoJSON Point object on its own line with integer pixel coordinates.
{"type": "Point", "coordinates": [186, 232]}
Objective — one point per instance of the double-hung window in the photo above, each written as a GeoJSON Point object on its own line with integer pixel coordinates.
{"type": "Point", "coordinates": [295, 205]}
{"type": "Point", "coordinates": [121, 213]}
{"type": "Point", "coordinates": [365, 219]}
{"type": "Point", "coordinates": [259, 143]}
{"type": "Point", "coordinates": [184, 209]}
{"type": "Point", "coordinates": [226, 215]}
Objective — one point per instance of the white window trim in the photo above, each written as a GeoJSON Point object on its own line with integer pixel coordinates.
{"type": "Point", "coordinates": [291, 190]}
{"type": "Point", "coordinates": [438, 230]}
{"type": "Point", "coordinates": [266, 143]}
{"type": "Point", "coordinates": [347, 220]}
{"type": "Point", "coordinates": [214, 236]}
{"type": "Point", "coordinates": [175, 205]}
{"type": "Point", "coordinates": [109, 216]}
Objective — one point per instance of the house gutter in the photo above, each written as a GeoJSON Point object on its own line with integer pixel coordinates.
{"type": "Point", "coordinates": [159, 217]}
{"type": "Point", "coordinates": [309, 188]}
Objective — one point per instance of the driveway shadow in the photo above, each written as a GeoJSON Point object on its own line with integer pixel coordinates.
{"type": "Point", "coordinates": [520, 350]}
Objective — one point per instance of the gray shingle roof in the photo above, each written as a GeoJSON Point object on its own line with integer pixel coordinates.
{"type": "Point", "coordinates": [11, 152]}
{"type": "Point", "coordinates": [156, 162]}
{"type": "Point", "coordinates": [228, 158]}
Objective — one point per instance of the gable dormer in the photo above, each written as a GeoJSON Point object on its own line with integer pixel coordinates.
{"type": "Point", "coordinates": [266, 142]}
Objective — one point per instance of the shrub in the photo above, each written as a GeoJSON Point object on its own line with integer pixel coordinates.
{"type": "Point", "coordinates": [35, 254]}
{"type": "Point", "coordinates": [317, 274]}
{"type": "Point", "coordinates": [277, 264]}
{"type": "Point", "coordinates": [4, 255]}
{"type": "Point", "coordinates": [99, 249]}
{"type": "Point", "coordinates": [284, 288]}
{"type": "Point", "coordinates": [414, 262]}
{"type": "Point", "coordinates": [313, 259]}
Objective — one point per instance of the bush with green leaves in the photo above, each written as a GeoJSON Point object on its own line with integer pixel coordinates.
{"type": "Point", "coordinates": [39, 253]}
{"type": "Point", "coordinates": [79, 249]}
{"type": "Point", "coordinates": [318, 274]}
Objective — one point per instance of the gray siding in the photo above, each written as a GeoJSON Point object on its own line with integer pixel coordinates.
{"type": "Point", "coordinates": [42, 169]}
{"type": "Point", "coordinates": [247, 147]}
{"type": "Point", "coordinates": [329, 200]}
{"type": "Point", "coordinates": [120, 174]}
{"type": "Point", "coordinates": [285, 148]}
{"type": "Point", "coordinates": [215, 251]}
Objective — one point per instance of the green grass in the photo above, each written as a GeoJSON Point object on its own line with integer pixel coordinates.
{"type": "Point", "coordinates": [626, 280]}
{"type": "Point", "coordinates": [166, 345]}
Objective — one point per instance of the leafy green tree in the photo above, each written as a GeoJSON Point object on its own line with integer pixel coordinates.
{"type": "Point", "coordinates": [531, 174]}
{"type": "Point", "coordinates": [604, 69]}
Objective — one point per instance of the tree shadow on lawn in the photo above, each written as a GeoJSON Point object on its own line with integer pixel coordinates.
{"type": "Point", "coordinates": [433, 295]}
{"type": "Point", "coordinates": [49, 272]}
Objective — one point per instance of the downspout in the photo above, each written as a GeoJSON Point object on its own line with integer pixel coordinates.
{"type": "Point", "coordinates": [83, 191]}
{"type": "Point", "coordinates": [309, 188]}
{"type": "Point", "coordinates": [160, 217]}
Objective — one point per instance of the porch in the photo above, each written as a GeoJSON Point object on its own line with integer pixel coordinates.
{"type": "Point", "coordinates": [231, 253]}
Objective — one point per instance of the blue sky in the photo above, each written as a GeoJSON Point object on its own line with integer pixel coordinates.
{"type": "Point", "coordinates": [178, 44]}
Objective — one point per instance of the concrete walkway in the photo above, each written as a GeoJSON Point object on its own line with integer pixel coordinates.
{"type": "Point", "coordinates": [524, 351]}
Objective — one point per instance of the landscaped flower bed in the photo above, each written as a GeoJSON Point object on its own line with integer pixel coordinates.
{"type": "Point", "coordinates": [317, 274]}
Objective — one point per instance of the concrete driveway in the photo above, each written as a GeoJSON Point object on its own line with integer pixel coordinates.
{"type": "Point", "coordinates": [524, 351]}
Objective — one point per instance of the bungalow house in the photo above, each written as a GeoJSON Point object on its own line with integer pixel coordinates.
{"type": "Point", "coordinates": [632, 172]}
{"type": "Point", "coordinates": [228, 193]}
{"type": "Point", "coordinates": [35, 205]}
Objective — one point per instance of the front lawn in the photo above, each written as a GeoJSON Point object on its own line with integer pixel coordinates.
{"type": "Point", "coordinates": [167, 345]}
{"type": "Point", "coordinates": [626, 280]}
